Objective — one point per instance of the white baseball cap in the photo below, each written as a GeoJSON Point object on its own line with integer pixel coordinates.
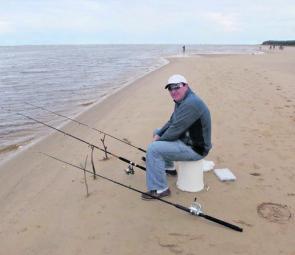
{"type": "Point", "coordinates": [174, 79]}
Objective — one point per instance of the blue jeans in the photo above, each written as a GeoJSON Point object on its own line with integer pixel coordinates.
{"type": "Point", "coordinates": [161, 154]}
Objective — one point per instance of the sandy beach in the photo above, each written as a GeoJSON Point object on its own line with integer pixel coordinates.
{"type": "Point", "coordinates": [44, 208]}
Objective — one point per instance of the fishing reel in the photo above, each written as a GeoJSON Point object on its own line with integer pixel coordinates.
{"type": "Point", "coordinates": [195, 208]}
{"type": "Point", "coordinates": [130, 169]}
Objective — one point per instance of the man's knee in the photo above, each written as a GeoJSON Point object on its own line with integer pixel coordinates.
{"type": "Point", "coordinates": [152, 147]}
{"type": "Point", "coordinates": [158, 147]}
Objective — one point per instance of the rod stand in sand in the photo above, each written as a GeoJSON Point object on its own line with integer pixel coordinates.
{"type": "Point", "coordinates": [105, 147]}
{"type": "Point", "coordinates": [92, 162]}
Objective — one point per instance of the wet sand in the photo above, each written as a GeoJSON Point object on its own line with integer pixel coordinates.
{"type": "Point", "coordinates": [44, 208]}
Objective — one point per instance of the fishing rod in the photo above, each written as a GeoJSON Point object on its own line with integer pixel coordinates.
{"type": "Point", "coordinates": [129, 170]}
{"type": "Point", "coordinates": [86, 125]}
{"type": "Point", "coordinates": [195, 209]}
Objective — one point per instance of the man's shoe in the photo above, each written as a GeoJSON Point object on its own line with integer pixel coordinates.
{"type": "Point", "coordinates": [150, 195]}
{"type": "Point", "coordinates": [171, 172]}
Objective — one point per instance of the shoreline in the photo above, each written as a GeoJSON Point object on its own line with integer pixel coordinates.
{"type": "Point", "coordinates": [14, 150]}
{"type": "Point", "coordinates": [44, 209]}
{"type": "Point", "coordinates": [10, 151]}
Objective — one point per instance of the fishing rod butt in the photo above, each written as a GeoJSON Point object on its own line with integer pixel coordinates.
{"type": "Point", "coordinates": [142, 150]}
{"type": "Point", "coordinates": [221, 222]}
{"type": "Point", "coordinates": [196, 211]}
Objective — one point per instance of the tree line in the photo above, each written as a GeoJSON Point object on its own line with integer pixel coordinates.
{"type": "Point", "coordinates": [284, 43]}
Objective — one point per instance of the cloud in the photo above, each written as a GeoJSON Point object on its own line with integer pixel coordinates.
{"type": "Point", "coordinates": [131, 21]}
{"type": "Point", "coordinates": [82, 16]}
{"type": "Point", "coordinates": [53, 15]}
{"type": "Point", "coordinates": [227, 22]}
{"type": "Point", "coordinates": [5, 27]}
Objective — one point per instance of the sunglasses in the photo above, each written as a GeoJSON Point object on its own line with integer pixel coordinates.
{"type": "Point", "coordinates": [175, 86]}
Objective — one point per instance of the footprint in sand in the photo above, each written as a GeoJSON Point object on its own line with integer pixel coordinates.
{"type": "Point", "coordinates": [23, 230]}
{"type": "Point", "coordinates": [178, 239]}
{"type": "Point", "coordinates": [241, 222]}
{"type": "Point", "coordinates": [255, 174]}
{"type": "Point", "coordinates": [274, 212]}
{"type": "Point", "coordinates": [173, 248]}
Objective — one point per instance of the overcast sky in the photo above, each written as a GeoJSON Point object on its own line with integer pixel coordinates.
{"type": "Point", "coordinates": [148, 21]}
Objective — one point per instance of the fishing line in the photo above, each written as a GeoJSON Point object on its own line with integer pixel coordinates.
{"type": "Point", "coordinates": [131, 164]}
{"type": "Point", "coordinates": [86, 125]}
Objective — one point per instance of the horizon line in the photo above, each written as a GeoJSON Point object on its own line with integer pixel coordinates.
{"type": "Point", "coordinates": [77, 44]}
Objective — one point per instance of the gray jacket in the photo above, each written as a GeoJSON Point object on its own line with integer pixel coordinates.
{"type": "Point", "coordinates": [191, 123]}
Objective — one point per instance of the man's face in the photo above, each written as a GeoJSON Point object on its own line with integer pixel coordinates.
{"type": "Point", "coordinates": [177, 91]}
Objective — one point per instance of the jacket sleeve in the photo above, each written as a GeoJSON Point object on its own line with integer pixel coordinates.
{"type": "Point", "coordinates": [184, 117]}
{"type": "Point", "coordinates": [164, 128]}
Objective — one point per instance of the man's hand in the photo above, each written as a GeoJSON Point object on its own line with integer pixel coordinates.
{"type": "Point", "coordinates": [156, 137]}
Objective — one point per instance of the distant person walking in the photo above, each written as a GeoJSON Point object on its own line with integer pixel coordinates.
{"type": "Point", "coordinates": [183, 49]}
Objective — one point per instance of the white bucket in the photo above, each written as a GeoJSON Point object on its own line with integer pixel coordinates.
{"type": "Point", "coordinates": [190, 176]}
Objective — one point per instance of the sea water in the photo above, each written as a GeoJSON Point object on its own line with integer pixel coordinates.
{"type": "Point", "coordinates": [70, 78]}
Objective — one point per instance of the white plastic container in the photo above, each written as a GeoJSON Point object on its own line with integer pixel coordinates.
{"type": "Point", "coordinates": [190, 176]}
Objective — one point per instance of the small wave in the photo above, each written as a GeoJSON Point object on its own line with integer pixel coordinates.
{"type": "Point", "coordinates": [15, 146]}
{"type": "Point", "coordinates": [34, 72]}
{"type": "Point", "coordinates": [87, 104]}
{"type": "Point", "coordinates": [9, 148]}
{"type": "Point", "coordinates": [258, 53]}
